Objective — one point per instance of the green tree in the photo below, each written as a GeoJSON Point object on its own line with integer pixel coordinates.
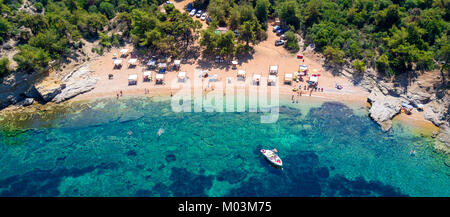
{"type": "Point", "coordinates": [262, 10]}
{"type": "Point", "coordinates": [107, 9]}
{"type": "Point", "coordinates": [218, 10]}
{"type": "Point", "coordinates": [334, 55]}
{"type": "Point", "coordinates": [383, 65]}
{"type": "Point", "coordinates": [31, 58]}
{"type": "Point", "coordinates": [5, 27]}
{"type": "Point", "coordinates": [247, 32]}
{"type": "Point", "coordinates": [388, 17]}
{"type": "Point", "coordinates": [209, 40]}
{"type": "Point", "coordinates": [292, 41]}
{"type": "Point", "coordinates": [289, 13]}
{"type": "Point", "coordinates": [225, 44]}
{"type": "Point", "coordinates": [36, 22]}
{"type": "Point", "coordinates": [359, 65]}
{"type": "Point", "coordinates": [4, 66]}
{"type": "Point", "coordinates": [91, 23]}
{"type": "Point", "coordinates": [51, 42]}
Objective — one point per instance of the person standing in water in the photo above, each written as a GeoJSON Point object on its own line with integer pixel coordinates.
{"type": "Point", "coordinates": [160, 132]}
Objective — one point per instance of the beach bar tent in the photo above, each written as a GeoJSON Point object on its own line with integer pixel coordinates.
{"type": "Point", "coordinates": [132, 62]}
{"type": "Point", "coordinates": [288, 78]}
{"type": "Point", "coordinates": [151, 64]}
{"type": "Point", "coordinates": [162, 67]}
{"type": "Point", "coordinates": [124, 52]}
{"type": "Point", "coordinates": [256, 79]}
{"type": "Point", "coordinates": [159, 78]}
{"type": "Point", "coordinates": [132, 79]}
{"type": "Point", "coordinates": [313, 80]}
{"type": "Point", "coordinates": [241, 74]}
{"type": "Point", "coordinates": [176, 64]}
{"type": "Point", "coordinates": [182, 76]}
{"type": "Point", "coordinates": [273, 70]}
{"type": "Point", "coordinates": [234, 64]}
{"type": "Point", "coordinates": [272, 80]}
{"type": "Point", "coordinates": [117, 63]}
{"type": "Point", "coordinates": [147, 76]}
{"type": "Point", "coordinates": [302, 69]}
{"type": "Point", "coordinates": [214, 78]}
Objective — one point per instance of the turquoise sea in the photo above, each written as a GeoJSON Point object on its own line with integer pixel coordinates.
{"type": "Point", "coordinates": [328, 149]}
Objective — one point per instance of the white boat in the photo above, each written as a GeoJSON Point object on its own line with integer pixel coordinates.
{"type": "Point", "coordinates": [271, 156]}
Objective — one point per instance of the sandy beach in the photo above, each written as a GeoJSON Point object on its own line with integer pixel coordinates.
{"type": "Point", "coordinates": [265, 55]}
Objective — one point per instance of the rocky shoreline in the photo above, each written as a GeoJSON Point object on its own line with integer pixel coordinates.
{"type": "Point", "coordinates": [386, 98]}
{"type": "Point", "coordinates": [21, 89]}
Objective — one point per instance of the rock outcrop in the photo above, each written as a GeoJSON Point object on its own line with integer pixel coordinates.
{"type": "Point", "coordinates": [26, 102]}
{"type": "Point", "coordinates": [383, 108]}
{"type": "Point", "coordinates": [76, 83]}
{"type": "Point", "coordinates": [386, 98]}
{"type": "Point", "coordinates": [49, 88]}
{"type": "Point", "coordinates": [438, 113]}
{"type": "Point", "coordinates": [20, 88]}
{"type": "Point", "coordinates": [12, 88]}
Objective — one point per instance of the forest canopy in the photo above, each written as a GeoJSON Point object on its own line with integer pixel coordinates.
{"type": "Point", "coordinates": [392, 36]}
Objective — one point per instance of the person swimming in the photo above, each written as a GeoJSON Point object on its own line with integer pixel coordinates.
{"type": "Point", "coordinates": [160, 132]}
{"type": "Point", "coordinates": [130, 133]}
{"type": "Point", "coordinates": [412, 153]}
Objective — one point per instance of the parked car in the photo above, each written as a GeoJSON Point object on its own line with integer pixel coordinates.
{"type": "Point", "coordinates": [189, 7]}
{"type": "Point", "coordinates": [279, 42]}
{"type": "Point", "coordinates": [281, 31]}
{"type": "Point", "coordinates": [208, 20]}
{"type": "Point", "coordinates": [203, 16]}
{"type": "Point", "coordinates": [192, 12]}
{"type": "Point", "coordinates": [283, 37]}
{"type": "Point", "coordinates": [199, 13]}
{"type": "Point", "coordinates": [168, 2]}
{"type": "Point", "coordinates": [276, 28]}
{"type": "Point", "coordinates": [236, 33]}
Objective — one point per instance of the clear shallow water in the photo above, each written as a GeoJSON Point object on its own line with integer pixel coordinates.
{"type": "Point", "coordinates": [328, 150]}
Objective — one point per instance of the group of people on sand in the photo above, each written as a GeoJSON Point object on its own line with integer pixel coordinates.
{"type": "Point", "coordinates": [295, 97]}
{"type": "Point", "coordinates": [119, 94]}
{"type": "Point", "coordinates": [299, 91]}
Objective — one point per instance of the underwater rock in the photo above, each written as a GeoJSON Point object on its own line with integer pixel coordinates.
{"type": "Point", "coordinates": [323, 173]}
{"type": "Point", "coordinates": [171, 158]}
{"type": "Point", "coordinates": [187, 184]}
{"type": "Point", "coordinates": [447, 162]}
{"type": "Point", "coordinates": [383, 108]}
{"type": "Point", "coordinates": [231, 176]}
{"type": "Point", "coordinates": [130, 116]}
{"type": "Point", "coordinates": [143, 193]}
{"type": "Point", "coordinates": [162, 189]}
